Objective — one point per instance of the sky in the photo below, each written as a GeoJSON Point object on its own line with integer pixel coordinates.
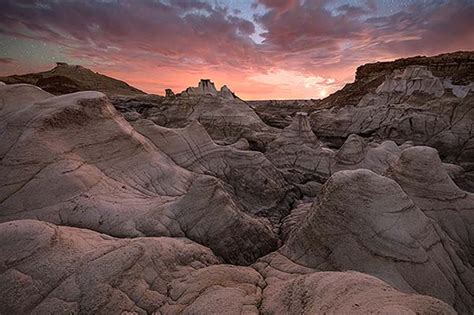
{"type": "Point", "coordinates": [261, 49]}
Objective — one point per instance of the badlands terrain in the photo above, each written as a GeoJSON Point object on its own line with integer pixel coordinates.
{"type": "Point", "coordinates": [117, 201]}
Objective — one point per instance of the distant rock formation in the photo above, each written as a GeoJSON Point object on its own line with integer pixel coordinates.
{"type": "Point", "coordinates": [409, 105]}
{"type": "Point", "coordinates": [412, 79]}
{"type": "Point", "coordinates": [207, 87]}
{"type": "Point", "coordinates": [169, 93]}
{"type": "Point", "coordinates": [225, 117]}
{"type": "Point", "coordinates": [65, 78]}
{"type": "Point", "coordinates": [303, 158]}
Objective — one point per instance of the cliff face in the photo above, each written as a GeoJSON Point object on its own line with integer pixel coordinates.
{"type": "Point", "coordinates": [458, 66]}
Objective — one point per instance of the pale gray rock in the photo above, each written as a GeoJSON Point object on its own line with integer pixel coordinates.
{"type": "Point", "coordinates": [205, 87]}
{"type": "Point", "coordinates": [225, 92]}
{"type": "Point", "coordinates": [241, 144]}
{"type": "Point", "coordinates": [425, 179]}
{"type": "Point", "coordinates": [366, 222]}
{"type": "Point", "coordinates": [226, 119]}
{"type": "Point", "coordinates": [46, 268]}
{"type": "Point", "coordinates": [460, 91]}
{"type": "Point", "coordinates": [412, 79]}
{"type": "Point", "coordinates": [409, 106]}
{"type": "Point", "coordinates": [302, 157]}
{"type": "Point", "coordinates": [73, 160]}
{"type": "Point", "coordinates": [257, 183]}
{"type": "Point", "coordinates": [299, 154]}
{"type": "Point", "coordinates": [51, 269]}
{"type": "Point", "coordinates": [344, 293]}
{"type": "Point", "coordinates": [71, 270]}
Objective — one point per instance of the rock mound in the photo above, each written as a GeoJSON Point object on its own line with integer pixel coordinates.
{"type": "Point", "coordinates": [422, 175]}
{"type": "Point", "coordinates": [65, 78]}
{"type": "Point", "coordinates": [386, 234]}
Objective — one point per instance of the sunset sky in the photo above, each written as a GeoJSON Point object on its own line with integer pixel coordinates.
{"type": "Point", "coordinates": [261, 49]}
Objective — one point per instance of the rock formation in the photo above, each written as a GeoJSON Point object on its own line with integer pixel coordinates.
{"type": "Point", "coordinates": [73, 160]}
{"type": "Point", "coordinates": [169, 93]}
{"type": "Point", "coordinates": [225, 117]}
{"type": "Point", "coordinates": [302, 157]}
{"type": "Point", "coordinates": [366, 222]}
{"type": "Point", "coordinates": [410, 105]}
{"type": "Point", "coordinates": [256, 182]}
{"type": "Point", "coordinates": [65, 78]}
{"type": "Point", "coordinates": [192, 204]}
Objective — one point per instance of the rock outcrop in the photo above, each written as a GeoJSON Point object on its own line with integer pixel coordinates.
{"type": "Point", "coordinates": [73, 160]}
{"type": "Point", "coordinates": [411, 105]}
{"type": "Point", "coordinates": [65, 78]}
{"type": "Point", "coordinates": [256, 183]}
{"type": "Point", "coordinates": [205, 87]}
{"type": "Point", "coordinates": [169, 93]}
{"type": "Point", "coordinates": [366, 222]}
{"type": "Point", "coordinates": [424, 178]}
{"type": "Point", "coordinates": [225, 117]}
{"type": "Point", "coordinates": [302, 157]}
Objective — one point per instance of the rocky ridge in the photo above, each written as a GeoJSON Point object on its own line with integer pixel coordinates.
{"type": "Point", "coordinates": [65, 78]}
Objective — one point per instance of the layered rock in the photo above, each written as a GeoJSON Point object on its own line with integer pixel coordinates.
{"type": "Point", "coordinates": [299, 154]}
{"type": "Point", "coordinates": [302, 157]}
{"type": "Point", "coordinates": [47, 268]}
{"type": "Point", "coordinates": [410, 105]}
{"type": "Point", "coordinates": [56, 269]}
{"type": "Point", "coordinates": [280, 113]}
{"type": "Point", "coordinates": [205, 87]}
{"type": "Point", "coordinates": [344, 293]}
{"type": "Point", "coordinates": [255, 182]}
{"type": "Point", "coordinates": [73, 160]}
{"type": "Point", "coordinates": [366, 222]}
{"type": "Point", "coordinates": [421, 174]}
{"type": "Point", "coordinates": [227, 119]}
{"type": "Point", "coordinates": [412, 79]}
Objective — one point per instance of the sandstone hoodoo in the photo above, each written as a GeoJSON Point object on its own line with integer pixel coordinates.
{"type": "Point", "coordinates": [190, 203]}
